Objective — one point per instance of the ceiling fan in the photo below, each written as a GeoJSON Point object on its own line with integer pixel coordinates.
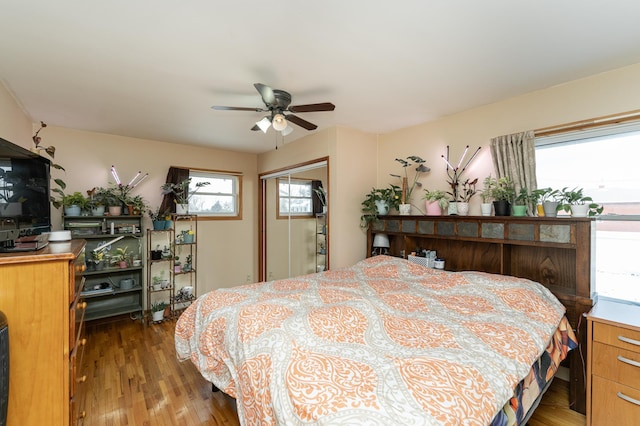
{"type": "Point", "coordinates": [277, 105]}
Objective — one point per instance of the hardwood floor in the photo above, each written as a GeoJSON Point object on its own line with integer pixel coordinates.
{"type": "Point", "coordinates": [134, 378]}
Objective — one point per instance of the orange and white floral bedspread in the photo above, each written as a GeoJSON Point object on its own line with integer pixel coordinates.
{"type": "Point", "coordinates": [384, 342]}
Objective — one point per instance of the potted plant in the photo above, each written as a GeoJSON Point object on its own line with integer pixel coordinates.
{"type": "Point", "coordinates": [573, 201]}
{"type": "Point", "coordinates": [550, 199]}
{"type": "Point", "coordinates": [188, 266]}
{"type": "Point", "coordinates": [73, 204]}
{"type": "Point", "coordinates": [138, 205]}
{"type": "Point", "coordinates": [378, 202]}
{"type": "Point", "coordinates": [503, 193]}
{"type": "Point", "coordinates": [486, 195]}
{"type": "Point", "coordinates": [436, 202]}
{"type": "Point", "coordinates": [158, 219]}
{"type": "Point", "coordinates": [181, 193]}
{"type": "Point", "coordinates": [157, 311]}
{"type": "Point", "coordinates": [177, 266]}
{"type": "Point", "coordinates": [96, 201]}
{"type": "Point", "coordinates": [520, 202]}
{"type": "Point", "coordinates": [467, 191]}
{"type": "Point", "coordinates": [121, 256]}
{"type": "Point", "coordinates": [406, 188]}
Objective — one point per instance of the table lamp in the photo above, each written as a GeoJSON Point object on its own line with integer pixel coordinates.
{"type": "Point", "coordinates": [380, 244]}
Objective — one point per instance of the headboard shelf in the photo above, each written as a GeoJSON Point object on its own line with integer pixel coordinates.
{"type": "Point", "coordinates": [555, 252]}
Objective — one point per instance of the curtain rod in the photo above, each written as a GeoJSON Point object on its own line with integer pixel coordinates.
{"type": "Point", "coordinates": [588, 124]}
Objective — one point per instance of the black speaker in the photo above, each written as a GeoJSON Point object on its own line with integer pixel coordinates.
{"type": "Point", "coordinates": [4, 368]}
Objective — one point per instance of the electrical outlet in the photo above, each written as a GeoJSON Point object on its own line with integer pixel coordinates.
{"type": "Point", "coordinates": [248, 280]}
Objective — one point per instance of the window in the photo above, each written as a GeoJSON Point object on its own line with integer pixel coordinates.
{"type": "Point", "coordinates": [219, 199]}
{"type": "Point", "coordinates": [603, 162]}
{"type": "Point", "coordinates": [295, 198]}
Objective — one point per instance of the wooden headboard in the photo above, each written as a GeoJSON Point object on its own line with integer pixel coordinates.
{"type": "Point", "coordinates": [555, 252]}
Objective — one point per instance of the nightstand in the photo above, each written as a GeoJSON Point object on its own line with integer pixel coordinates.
{"type": "Point", "coordinates": [613, 364]}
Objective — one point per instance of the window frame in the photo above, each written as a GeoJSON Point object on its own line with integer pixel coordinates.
{"type": "Point", "coordinates": [289, 215]}
{"type": "Point", "coordinates": [221, 174]}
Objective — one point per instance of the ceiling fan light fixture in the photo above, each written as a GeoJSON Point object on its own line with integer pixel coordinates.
{"type": "Point", "coordinates": [287, 130]}
{"type": "Point", "coordinates": [264, 124]}
{"type": "Point", "coordinates": [279, 122]}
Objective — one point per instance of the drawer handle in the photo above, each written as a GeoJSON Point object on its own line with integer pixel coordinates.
{"type": "Point", "coordinates": [628, 398]}
{"type": "Point", "coordinates": [628, 361]}
{"type": "Point", "coordinates": [630, 341]}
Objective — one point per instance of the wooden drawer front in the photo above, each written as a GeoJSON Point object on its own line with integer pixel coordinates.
{"type": "Point", "coordinates": [76, 319]}
{"type": "Point", "coordinates": [617, 336]}
{"type": "Point", "coordinates": [609, 407]}
{"type": "Point", "coordinates": [76, 280]}
{"type": "Point", "coordinates": [616, 364]}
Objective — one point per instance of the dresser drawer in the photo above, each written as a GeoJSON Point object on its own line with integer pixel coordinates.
{"type": "Point", "coordinates": [617, 336]}
{"type": "Point", "coordinates": [616, 364]}
{"type": "Point", "coordinates": [610, 407]}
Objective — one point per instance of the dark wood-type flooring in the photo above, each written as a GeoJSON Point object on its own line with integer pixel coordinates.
{"type": "Point", "coordinates": [134, 378]}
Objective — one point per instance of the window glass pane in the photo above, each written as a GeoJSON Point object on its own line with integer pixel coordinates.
{"type": "Point", "coordinates": [601, 164]}
{"type": "Point", "coordinates": [295, 197]}
{"type": "Point", "coordinates": [219, 198]}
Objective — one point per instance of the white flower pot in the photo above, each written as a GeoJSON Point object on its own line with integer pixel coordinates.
{"type": "Point", "coordinates": [404, 209]}
{"type": "Point", "coordinates": [485, 208]}
{"type": "Point", "coordinates": [580, 210]}
{"type": "Point", "coordinates": [382, 207]}
{"type": "Point", "coordinates": [158, 315]}
{"type": "Point", "coordinates": [463, 208]}
{"type": "Point", "coordinates": [182, 208]}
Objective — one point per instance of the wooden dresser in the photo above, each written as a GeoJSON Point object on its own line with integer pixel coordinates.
{"type": "Point", "coordinates": [613, 367]}
{"type": "Point", "coordinates": [40, 295]}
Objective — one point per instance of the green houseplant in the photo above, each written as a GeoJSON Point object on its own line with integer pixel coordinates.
{"type": "Point", "coordinates": [157, 310]}
{"type": "Point", "coordinates": [436, 202]}
{"type": "Point", "coordinates": [181, 192]}
{"type": "Point", "coordinates": [73, 204]}
{"type": "Point", "coordinates": [378, 202]}
{"type": "Point", "coordinates": [502, 191]}
{"type": "Point", "coordinates": [550, 199]}
{"type": "Point", "coordinates": [579, 205]}
{"type": "Point", "coordinates": [406, 187]}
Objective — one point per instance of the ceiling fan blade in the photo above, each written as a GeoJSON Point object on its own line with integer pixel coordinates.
{"type": "Point", "coordinates": [325, 106]}
{"type": "Point", "coordinates": [226, 108]}
{"type": "Point", "coordinates": [268, 97]}
{"type": "Point", "coordinates": [300, 122]}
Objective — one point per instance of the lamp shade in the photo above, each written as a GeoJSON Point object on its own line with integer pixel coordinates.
{"type": "Point", "coordinates": [264, 124]}
{"type": "Point", "coordinates": [287, 130]}
{"type": "Point", "coordinates": [381, 241]}
{"type": "Point", "coordinates": [279, 122]}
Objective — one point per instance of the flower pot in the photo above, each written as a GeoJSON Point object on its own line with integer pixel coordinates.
{"type": "Point", "coordinates": [433, 208]}
{"type": "Point", "coordinates": [453, 208]}
{"type": "Point", "coordinates": [580, 210]}
{"type": "Point", "coordinates": [97, 211]}
{"type": "Point", "coordinates": [550, 208]}
{"type": "Point", "coordinates": [404, 209]}
{"type": "Point", "coordinates": [519, 210]}
{"type": "Point", "coordinates": [100, 265]}
{"type": "Point", "coordinates": [463, 208]}
{"type": "Point", "coordinates": [502, 208]}
{"type": "Point", "coordinates": [382, 207]}
{"type": "Point", "coordinates": [188, 238]}
{"type": "Point", "coordinates": [182, 208]}
{"type": "Point", "coordinates": [168, 224]}
{"type": "Point", "coordinates": [115, 210]}
{"type": "Point", "coordinates": [485, 208]}
{"type": "Point", "coordinates": [157, 287]}
{"type": "Point", "coordinates": [122, 264]}
{"type": "Point", "coordinates": [158, 315]}
{"type": "Point", "coordinates": [540, 210]}
{"type": "Point", "coordinates": [158, 225]}
{"type": "Point", "coordinates": [156, 254]}
{"type": "Point", "coordinates": [72, 210]}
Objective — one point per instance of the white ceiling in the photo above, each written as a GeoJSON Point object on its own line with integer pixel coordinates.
{"type": "Point", "coordinates": [153, 68]}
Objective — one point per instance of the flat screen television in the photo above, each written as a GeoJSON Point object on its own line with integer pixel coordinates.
{"type": "Point", "coordinates": [25, 208]}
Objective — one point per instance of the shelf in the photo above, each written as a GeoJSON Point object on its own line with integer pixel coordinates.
{"type": "Point", "coordinates": [112, 311]}
{"type": "Point", "coordinates": [109, 271]}
{"type": "Point", "coordinates": [88, 294]}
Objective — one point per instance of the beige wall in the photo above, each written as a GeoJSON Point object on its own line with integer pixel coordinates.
{"type": "Point", "coordinates": [15, 126]}
{"type": "Point", "coordinates": [603, 94]}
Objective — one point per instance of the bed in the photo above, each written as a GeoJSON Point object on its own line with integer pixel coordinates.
{"type": "Point", "coordinates": [383, 342]}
